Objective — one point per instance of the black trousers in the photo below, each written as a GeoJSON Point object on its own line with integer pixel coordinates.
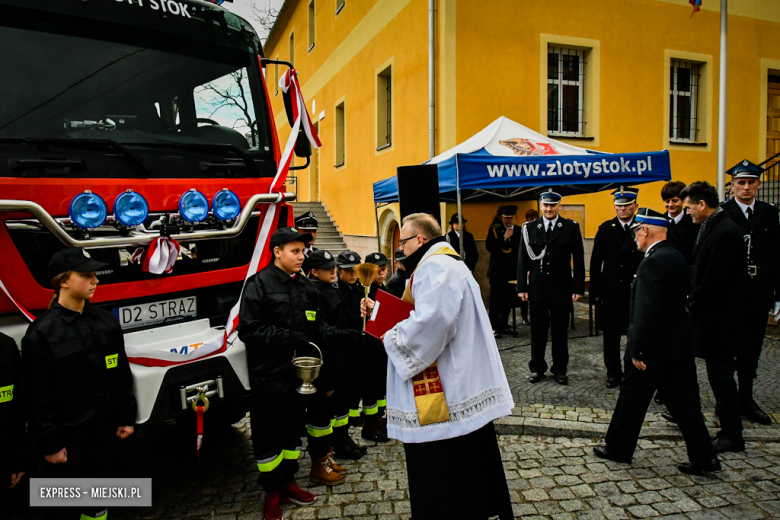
{"type": "Point", "coordinates": [500, 304]}
{"type": "Point", "coordinates": [677, 380]}
{"type": "Point", "coordinates": [436, 470]}
{"type": "Point", "coordinates": [612, 356]}
{"type": "Point", "coordinates": [279, 419]}
{"type": "Point", "coordinates": [554, 318]}
{"type": "Point", "coordinates": [720, 372]}
{"type": "Point", "coordinates": [524, 309]}
{"type": "Point", "coordinates": [750, 349]}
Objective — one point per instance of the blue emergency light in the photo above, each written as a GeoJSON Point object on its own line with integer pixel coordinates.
{"type": "Point", "coordinates": [226, 205]}
{"type": "Point", "coordinates": [131, 209]}
{"type": "Point", "coordinates": [193, 206]}
{"type": "Point", "coordinates": [87, 210]}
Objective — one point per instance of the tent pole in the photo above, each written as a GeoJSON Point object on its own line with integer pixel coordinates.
{"type": "Point", "coordinates": [722, 96]}
{"type": "Point", "coordinates": [460, 212]}
{"type": "Point", "coordinates": [378, 234]}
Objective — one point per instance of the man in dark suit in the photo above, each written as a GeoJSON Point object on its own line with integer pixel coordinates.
{"type": "Point", "coordinates": [307, 223]}
{"type": "Point", "coordinates": [503, 241]}
{"type": "Point", "coordinates": [470, 255]}
{"type": "Point", "coordinates": [716, 303]}
{"type": "Point", "coordinates": [657, 313]}
{"type": "Point", "coordinates": [758, 222]}
{"type": "Point", "coordinates": [682, 231]}
{"type": "Point", "coordinates": [550, 245]}
{"type": "Point", "coordinates": [612, 266]}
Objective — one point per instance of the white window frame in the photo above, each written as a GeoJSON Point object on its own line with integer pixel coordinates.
{"type": "Point", "coordinates": [580, 82]}
{"type": "Point", "coordinates": [694, 84]}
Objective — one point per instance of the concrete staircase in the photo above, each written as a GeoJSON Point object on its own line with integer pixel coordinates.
{"type": "Point", "coordinates": [328, 235]}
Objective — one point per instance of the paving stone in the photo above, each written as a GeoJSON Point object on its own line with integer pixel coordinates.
{"type": "Point", "coordinates": [643, 511]}
{"type": "Point", "coordinates": [742, 512]}
{"type": "Point", "coordinates": [535, 495]}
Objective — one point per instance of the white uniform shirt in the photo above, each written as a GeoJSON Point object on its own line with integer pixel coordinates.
{"type": "Point", "coordinates": [450, 326]}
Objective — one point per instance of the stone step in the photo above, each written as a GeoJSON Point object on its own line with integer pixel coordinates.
{"type": "Point", "coordinates": [328, 235]}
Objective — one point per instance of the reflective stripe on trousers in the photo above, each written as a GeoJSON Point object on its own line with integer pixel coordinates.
{"type": "Point", "coordinates": [319, 431]}
{"type": "Point", "coordinates": [269, 464]}
{"type": "Point", "coordinates": [103, 515]}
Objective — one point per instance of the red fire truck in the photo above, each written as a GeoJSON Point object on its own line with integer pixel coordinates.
{"type": "Point", "coordinates": [122, 121]}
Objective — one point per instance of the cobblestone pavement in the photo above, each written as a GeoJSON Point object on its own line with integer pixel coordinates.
{"type": "Point", "coordinates": [550, 468]}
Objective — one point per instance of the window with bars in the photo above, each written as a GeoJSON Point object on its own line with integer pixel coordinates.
{"type": "Point", "coordinates": [684, 82]}
{"type": "Point", "coordinates": [340, 5]}
{"type": "Point", "coordinates": [384, 108]}
{"type": "Point", "coordinates": [566, 91]}
{"type": "Point", "coordinates": [341, 130]}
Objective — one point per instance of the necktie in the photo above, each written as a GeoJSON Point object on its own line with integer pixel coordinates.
{"type": "Point", "coordinates": [749, 213]}
{"type": "Point", "coordinates": [549, 229]}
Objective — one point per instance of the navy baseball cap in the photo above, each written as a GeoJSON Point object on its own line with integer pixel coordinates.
{"type": "Point", "coordinates": [377, 259]}
{"type": "Point", "coordinates": [348, 259]}
{"type": "Point", "coordinates": [287, 234]}
{"type": "Point", "coordinates": [73, 259]}
{"type": "Point", "coordinates": [321, 259]}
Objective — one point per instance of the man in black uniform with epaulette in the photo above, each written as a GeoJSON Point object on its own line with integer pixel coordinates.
{"type": "Point", "coordinates": [759, 223]}
{"type": "Point", "coordinates": [550, 245]}
{"type": "Point", "coordinates": [307, 223]}
{"type": "Point", "coordinates": [612, 266]}
{"type": "Point", "coordinates": [657, 313]}
{"type": "Point", "coordinates": [503, 242]}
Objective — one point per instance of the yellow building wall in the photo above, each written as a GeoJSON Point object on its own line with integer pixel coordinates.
{"type": "Point", "coordinates": [489, 64]}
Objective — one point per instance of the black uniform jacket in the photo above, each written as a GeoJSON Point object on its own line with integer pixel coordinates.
{"type": "Point", "coordinates": [396, 284]}
{"type": "Point", "coordinates": [503, 253]}
{"type": "Point", "coordinates": [78, 384]}
{"type": "Point", "coordinates": [612, 266]}
{"type": "Point", "coordinates": [682, 235]}
{"type": "Point", "coordinates": [659, 323]}
{"type": "Point", "coordinates": [469, 245]}
{"type": "Point", "coordinates": [352, 294]}
{"type": "Point", "coordinates": [718, 280]}
{"type": "Point", "coordinates": [13, 436]}
{"type": "Point", "coordinates": [273, 306]}
{"type": "Point", "coordinates": [551, 278]}
{"type": "Point", "coordinates": [333, 312]}
{"type": "Point", "coordinates": [764, 241]}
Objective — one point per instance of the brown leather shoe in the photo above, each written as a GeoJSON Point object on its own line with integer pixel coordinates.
{"type": "Point", "coordinates": [335, 467]}
{"type": "Point", "coordinates": [322, 473]}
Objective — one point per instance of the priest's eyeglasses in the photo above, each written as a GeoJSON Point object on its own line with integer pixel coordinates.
{"type": "Point", "coordinates": [401, 241]}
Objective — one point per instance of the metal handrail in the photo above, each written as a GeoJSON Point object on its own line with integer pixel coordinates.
{"type": "Point", "coordinates": [135, 238]}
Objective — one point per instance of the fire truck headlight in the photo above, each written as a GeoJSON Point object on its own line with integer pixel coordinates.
{"type": "Point", "coordinates": [193, 206]}
{"type": "Point", "coordinates": [226, 205]}
{"type": "Point", "coordinates": [131, 209]}
{"type": "Point", "coordinates": [87, 210]}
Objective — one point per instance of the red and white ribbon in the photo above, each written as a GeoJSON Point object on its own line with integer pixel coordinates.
{"type": "Point", "coordinates": [269, 214]}
{"type": "Point", "coordinates": [161, 255]}
{"type": "Point", "coordinates": [27, 314]}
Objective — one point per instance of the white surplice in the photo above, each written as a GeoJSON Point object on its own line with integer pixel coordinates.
{"type": "Point", "coordinates": [450, 326]}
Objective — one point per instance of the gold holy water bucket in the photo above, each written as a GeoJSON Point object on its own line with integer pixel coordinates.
{"type": "Point", "coordinates": [307, 369]}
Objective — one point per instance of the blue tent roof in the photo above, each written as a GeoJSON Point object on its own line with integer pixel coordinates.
{"type": "Point", "coordinates": [503, 174]}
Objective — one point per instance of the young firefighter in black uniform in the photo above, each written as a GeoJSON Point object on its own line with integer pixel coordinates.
{"type": "Point", "coordinates": [307, 223]}
{"type": "Point", "coordinates": [332, 307]}
{"type": "Point", "coordinates": [78, 385]}
{"type": "Point", "coordinates": [13, 435]}
{"type": "Point", "coordinates": [612, 267]}
{"type": "Point", "coordinates": [377, 366]}
{"type": "Point", "coordinates": [657, 313]}
{"type": "Point", "coordinates": [503, 243]}
{"type": "Point", "coordinates": [758, 222]}
{"type": "Point", "coordinates": [277, 321]}
{"type": "Point", "coordinates": [551, 245]}
{"type": "Point", "coordinates": [396, 284]}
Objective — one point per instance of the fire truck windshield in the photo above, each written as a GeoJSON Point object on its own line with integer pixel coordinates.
{"type": "Point", "coordinates": [80, 80]}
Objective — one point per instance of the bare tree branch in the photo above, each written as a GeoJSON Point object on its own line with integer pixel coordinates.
{"type": "Point", "coordinates": [265, 15]}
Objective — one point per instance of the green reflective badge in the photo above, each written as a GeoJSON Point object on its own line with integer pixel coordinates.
{"type": "Point", "coordinates": [6, 393]}
{"type": "Point", "coordinates": [111, 361]}
{"type": "Point", "coordinates": [311, 315]}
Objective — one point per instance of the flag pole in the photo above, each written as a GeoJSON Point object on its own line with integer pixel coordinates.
{"type": "Point", "coordinates": [722, 101]}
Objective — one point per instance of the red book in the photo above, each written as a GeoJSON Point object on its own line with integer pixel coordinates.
{"type": "Point", "coordinates": [388, 311]}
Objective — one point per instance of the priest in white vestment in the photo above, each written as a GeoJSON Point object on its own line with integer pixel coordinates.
{"type": "Point", "coordinates": [446, 384]}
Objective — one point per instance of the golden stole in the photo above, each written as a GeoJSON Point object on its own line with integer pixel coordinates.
{"type": "Point", "coordinates": [428, 389]}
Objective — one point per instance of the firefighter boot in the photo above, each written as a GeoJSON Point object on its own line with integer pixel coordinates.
{"type": "Point", "coordinates": [271, 509]}
{"type": "Point", "coordinates": [372, 429]}
{"type": "Point", "coordinates": [343, 448]}
{"type": "Point", "coordinates": [335, 467]}
{"type": "Point", "coordinates": [322, 472]}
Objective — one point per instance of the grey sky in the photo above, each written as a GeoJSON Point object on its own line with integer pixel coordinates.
{"type": "Point", "coordinates": [243, 8]}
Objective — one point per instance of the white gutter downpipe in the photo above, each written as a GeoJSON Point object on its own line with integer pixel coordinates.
{"type": "Point", "coordinates": [722, 101]}
{"type": "Point", "coordinates": [431, 79]}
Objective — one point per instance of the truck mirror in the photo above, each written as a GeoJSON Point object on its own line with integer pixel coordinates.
{"type": "Point", "coordinates": [302, 145]}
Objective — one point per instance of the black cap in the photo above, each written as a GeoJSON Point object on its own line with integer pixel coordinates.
{"type": "Point", "coordinates": [348, 259]}
{"type": "Point", "coordinates": [454, 218]}
{"type": "Point", "coordinates": [550, 197]}
{"type": "Point", "coordinates": [73, 259]}
{"type": "Point", "coordinates": [321, 259]}
{"type": "Point", "coordinates": [745, 170]}
{"type": "Point", "coordinates": [625, 196]}
{"type": "Point", "coordinates": [649, 217]}
{"type": "Point", "coordinates": [399, 254]}
{"type": "Point", "coordinates": [507, 211]}
{"type": "Point", "coordinates": [288, 234]}
{"type": "Point", "coordinates": [377, 259]}
{"type": "Point", "coordinates": [306, 222]}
